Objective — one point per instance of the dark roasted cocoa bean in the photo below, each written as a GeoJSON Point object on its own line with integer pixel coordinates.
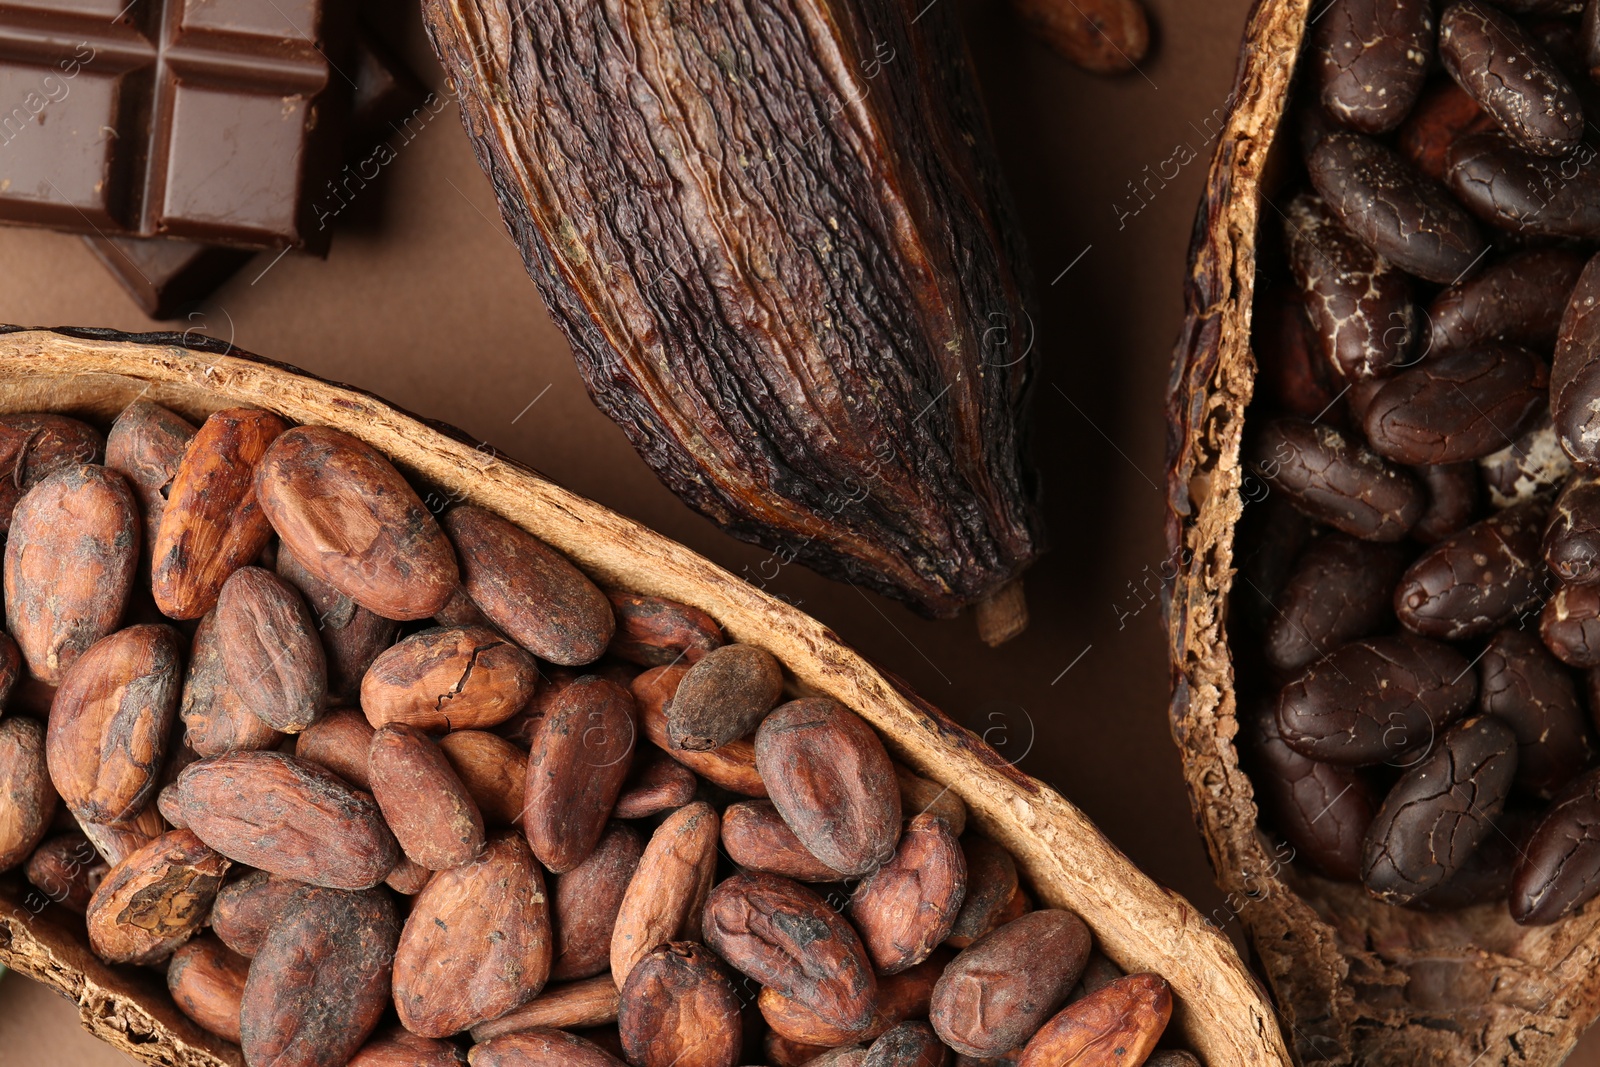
{"type": "Point", "coordinates": [1474, 582]}
{"type": "Point", "coordinates": [1401, 215]}
{"type": "Point", "coordinates": [351, 635]}
{"type": "Point", "coordinates": [529, 590]}
{"type": "Point", "coordinates": [215, 718]}
{"type": "Point", "coordinates": [585, 901]}
{"type": "Point", "coordinates": [33, 447]}
{"type": "Point", "coordinates": [1457, 406]}
{"type": "Point", "coordinates": [1294, 372]}
{"type": "Point", "coordinates": [154, 900]}
{"type": "Point", "coordinates": [1511, 77]}
{"type": "Point", "coordinates": [1535, 465]}
{"type": "Point", "coordinates": [1560, 867]}
{"type": "Point", "coordinates": [679, 1007]}
{"type": "Point", "coordinates": [423, 800]}
{"type": "Point", "coordinates": [1572, 538]}
{"type": "Point", "coordinates": [905, 908]}
{"type": "Point", "coordinates": [206, 980]}
{"type": "Point", "coordinates": [341, 741]}
{"type": "Point", "coordinates": [1341, 589]}
{"type": "Point", "coordinates": [991, 885]}
{"type": "Point", "coordinates": [1371, 58]}
{"type": "Point", "coordinates": [541, 1048]}
{"type": "Point", "coordinates": [352, 521]}
{"type": "Point", "coordinates": [146, 444]}
{"type": "Point", "coordinates": [1444, 113]}
{"type": "Point", "coordinates": [1323, 810]}
{"type": "Point", "coordinates": [320, 983]}
{"type": "Point", "coordinates": [66, 870]}
{"type": "Point", "coordinates": [1517, 301]}
{"type": "Point", "coordinates": [1523, 686]}
{"type": "Point", "coordinates": [667, 893]}
{"type": "Point", "coordinates": [1570, 625]}
{"type": "Point", "coordinates": [576, 768]}
{"type": "Point", "coordinates": [1525, 194]}
{"type": "Point", "coordinates": [398, 1047]}
{"type": "Point", "coordinates": [449, 679]}
{"type": "Point", "coordinates": [723, 697]}
{"type": "Point", "coordinates": [1376, 700]}
{"type": "Point", "coordinates": [755, 837]}
{"type": "Point", "coordinates": [655, 632]}
{"type": "Point", "coordinates": [1575, 372]}
{"type": "Point", "coordinates": [1485, 878]}
{"type": "Point", "coordinates": [1452, 490]}
{"type": "Point", "coordinates": [655, 784]}
{"type": "Point", "coordinates": [494, 771]}
{"type": "Point", "coordinates": [248, 908]}
{"type": "Point", "coordinates": [269, 647]}
{"type": "Point", "coordinates": [27, 798]}
{"type": "Point", "coordinates": [733, 766]}
{"type": "Point", "coordinates": [1337, 480]}
{"type": "Point", "coordinates": [1115, 1027]}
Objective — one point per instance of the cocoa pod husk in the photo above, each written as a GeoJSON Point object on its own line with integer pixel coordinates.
{"type": "Point", "coordinates": [70, 561]}
{"type": "Point", "coordinates": [247, 908]}
{"type": "Point", "coordinates": [733, 766]}
{"type": "Point", "coordinates": [576, 767]}
{"type": "Point", "coordinates": [206, 979]}
{"type": "Point", "coordinates": [66, 870]}
{"type": "Point", "coordinates": [494, 770]}
{"type": "Point", "coordinates": [561, 1006]}
{"type": "Point", "coordinates": [215, 717]}
{"type": "Point", "coordinates": [477, 942]}
{"type": "Point", "coordinates": [146, 444]}
{"type": "Point", "coordinates": [540, 1048]}
{"type": "Point", "coordinates": [320, 982]}
{"type": "Point", "coordinates": [656, 783]}
{"type": "Point", "coordinates": [786, 937]}
{"type": "Point", "coordinates": [155, 900]}
{"type": "Point", "coordinates": [270, 649]}
{"type": "Point", "coordinates": [339, 741]}
{"type": "Point", "coordinates": [908, 1044]}
{"type": "Point", "coordinates": [723, 697]}
{"type": "Point", "coordinates": [423, 800]}
{"type": "Point", "coordinates": [907, 907]}
{"type": "Point", "coordinates": [33, 447]}
{"type": "Point", "coordinates": [353, 522]}
{"type": "Point", "coordinates": [678, 1006]}
{"type": "Point", "coordinates": [27, 797]}
{"type": "Point", "coordinates": [395, 1046]}
{"type": "Point", "coordinates": [109, 723]}
{"type": "Point", "coordinates": [918, 795]}
{"type": "Point", "coordinates": [991, 885]}
{"type": "Point", "coordinates": [449, 679]}
{"type": "Point", "coordinates": [213, 523]}
{"type": "Point", "coordinates": [756, 837]}
{"type": "Point", "coordinates": [528, 590]}
{"type": "Point", "coordinates": [351, 635]}
{"type": "Point", "coordinates": [584, 903]}
{"type": "Point", "coordinates": [653, 631]}
{"type": "Point", "coordinates": [831, 779]}
{"type": "Point", "coordinates": [667, 893]}
{"type": "Point", "coordinates": [1116, 1026]}
{"type": "Point", "coordinates": [289, 817]}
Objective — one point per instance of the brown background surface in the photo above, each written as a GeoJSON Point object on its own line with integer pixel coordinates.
{"type": "Point", "coordinates": [424, 301]}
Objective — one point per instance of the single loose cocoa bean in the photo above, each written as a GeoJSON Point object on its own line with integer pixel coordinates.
{"type": "Point", "coordinates": [909, 1044]}
{"type": "Point", "coordinates": [1525, 194]}
{"type": "Point", "coordinates": [733, 766]}
{"type": "Point", "coordinates": [206, 980]}
{"type": "Point", "coordinates": [422, 798]}
{"type": "Point", "coordinates": [905, 908]}
{"type": "Point", "coordinates": [756, 838]}
{"type": "Point", "coordinates": [918, 795]}
{"type": "Point", "coordinates": [656, 783]}
{"type": "Point", "coordinates": [270, 649]}
{"type": "Point", "coordinates": [407, 877]}
{"type": "Point", "coordinates": [1116, 1027]}
{"type": "Point", "coordinates": [1485, 878]}
{"type": "Point", "coordinates": [655, 632]}
{"type": "Point", "coordinates": [723, 697]}
{"type": "Point", "coordinates": [341, 741]}
{"type": "Point", "coordinates": [27, 798]}
{"type": "Point", "coordinates": [247, 908]}
{"type": "Point", "coordinates": [1517, 300]}
{"type": "Point", "coordinates": [1371, 60]}
{"type": "Point", "coordinates": [216, 718]}
{"type": "Point", "coordinates": [67, 870]}
{"type": "Point", "coordinates": [560, 1005]}
{"type": "Point", "coordinates": [679, 1007]}
{"type": "Point", "coordinates": [1457, 406]}
{"type": "Point", "coordinates": [117, 843]}
{"type": "Point", "coordinates": [449, 679]}
{"type": "Point", "coordinates": [494, 771]}
{"type": "Point", "coordinates": [351, 635]}
{"type": "Point", "coordinates": [1572, 539]}
{"type": "Point", "coordinates": [576, 768]}
{"type": "Point", "coordinates": [585, 901]}
{"type": "Point", "coordinates": [541, 1048]}
{"type": "Point", "coordinates": [667, 893]}
{"type": "Point", "coordinates": [991, 883]}
{"type": "Point", "coordinates": [154, 900]}
{"type": "Point", "coordinates": [1472, 583]}
{"type": "Point", "coordinates": [1336, 480]}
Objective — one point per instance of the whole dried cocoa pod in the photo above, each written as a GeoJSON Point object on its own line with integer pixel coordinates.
{"type": "Point", "coordinates": [529, 590]}
{"type": "Point", "coordinates": [653, 631]}
{"type": "Point", "coordinates": [494, 771]}
{"type": "Point", "coordinates": [247, 908]}
{"type": "Point", "coordinates": [733, 766]}
{"type": "Point", "coordinates": [33, 447]}
{"type": "Point", "coordinates": [905, 908]}
{"type": "Point", "coordinates": [786, 937]}
{"type": "Point", "coordinates": [292, 818]}
{"type": "Point", "coordinates": [756, 838]}
{"type": "Point", "coordinates": [320, 983]}
{"type": "Point", "coordinates": [154, 900]}
{"type": "Point", "coordinates": [723, 697]}
{"type": "Point", "coordinates": [918, 795]}
{"type": "Point", "coordinates": [579, 759]}
{"type": "Point", "coordinates": [27, 798]}
{"type": "Point", "coordinates": [1116, 1026]}
{"type": "Point", "coordinates": [67, 870]}
{"type": "Point", "coordinates": [830, 777]}
{"type": "Point", "coordinates": [449, 679]}
{"type": "Point", "coordinates": [351, 635]}
{"type": "Point", "coordinates": [423, 800]}
{"type": "Point", "coordinates": [1001, 989]}
{"type": "Point", "coordinates": [340, 741]}
{"type": "Point", "coordinates": [206, 979]}
{"type": "Point", "coordinates": [991, 883]}
{"type": "Point", "coordinates": [562, 1005]}
{"type": "Point", "coordinates": [146, 444]}
{"type": "Point", "coordinates": [477, 943]}
{"type": "Point", "coordinates": [655, 783]}
{"type": "Point", "coordinates": [910, 1044]}
{"type": "Point", "coordinates": [398, 1047]}
{"type": "Point", "coordinates": [270, 649]}
{"type": "Point", "coordinates": [541, 1048]}
{"type": "Point", "coordinates": [668, 890]}
{"type": "Point", "coordinates": [216, 718]}
{"type": "Point", "coordinates": [584, 903]}
{"type": "Point", "coordinates": [213, 523]}
{"type": "Point", "coordinates": [353, 522]}
{"type": "Point", "coordinates": [109, 723]}
{"type": "Point", "coordinates": [678, 1007]}
{"type": "Point", "coordinates": [70, 562]}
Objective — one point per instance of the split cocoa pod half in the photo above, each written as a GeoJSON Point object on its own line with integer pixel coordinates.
{"type": "Point", "coordinates": [597, 894]}
{"type": "Point", "coordinates": [1384, 622]}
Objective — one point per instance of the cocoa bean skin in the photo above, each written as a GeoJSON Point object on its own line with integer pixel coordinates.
{"type": "Point", "coordinates": [493, 770]}
{"type": "Point", "coordinates": [998, 991]}
{"type": "Point", "coordinates": [353, 522]}
{"type": "Point", "coordinates": [1372, 60]}
{"type": "Point", "coordinates": [70, 561]}
{"type": "Point", "coordinates": [1322, 809]}
{"type": "Point", "coordinates": [1440, 810]}
{"type": "Point", "coordinates": [477, 943]}
{"type": "Point", "coordinates": [1572, 537]}
{"type": "Point", "coordinates": [905, 908]}
{"type": "Point", "coordinates": [213, 523]}
{"type": "Point", "coordinates": [540, 1048]}
{"type": "Point", "coordinates": [1118, 1025]}
{"type": "Point", "coordinates": [1336, 480]}
{"type": "Point", "coordinates": [655, 632]}
{"type": "Point", "coordinates": [248, 908]}
{"type": "Point", "coordinates": [679, 1007]}
{"type": "Point", "coordinates": [1452, 490]}
{"type": "Point", "coordinates": [991, 883]}
{"type": "Point", "coordinates": [1525, 194]}
{"type": "Point", "coordinates": [529, 590]}
{"type": "Point", "coordinates": [27, 797]}
{"type": "Point", "coordinates": [785, 936]}
{"type": "Point", "coordinates": [656, 783]}
{"type": "Point", "coordinates": [109, 723]}
{"type": "Point", "coordinates": [1517, 300]}
{"type": "Point", "coordinates": [723, 697]}
{"type": "Point", "coordinates": [351, 635]}
{"type": "Point", "coordinates": [422, 798]}
{"type": "Point", "coordinates": [1375, 700]}
{"type": "Point", "coordinates": [733, 766]}
{"type": "Point", "coordinates": [287, 816]}
{"type": "Point", "coordinates": [154, 900]}
{"type": "Point", "coordinates": [1532, 467]}
{"type": "Point", "coordinates": [561, 1005]}
{"type": "Point", "coordinates": [449, 679]}
{"type": "Point", "coordinates": [341, 741]}
{"type": "Point", "coordinates": [1511, 78]}
{"type": "Point", "coordinates": [320, 983]}
{"type": "Point", "coordinates": [1560, 867]}
{"type": "Point", "coordinates": [206, 980]}
{"type": "Point", "coordinates": [398, 1047]}
{"type": "Point", "coordinates": [756, 838]}
{"type": "Point", "coordinates": [215, 717]}
{"type": "Point", "coordinates": [33, 447]}
{"type": "Point", "coordinates": [667, 893]}
{"type": "Point", "coordinates": [584, 903]}
{"type": "Point", "coordinates": [576, 768]}
{"type": "Point", "coordinates": [146, 444]}
{"type": "Point", "coordinates": [1472, 583]}
{"type": "Point", "coordinates": [1570, 625]}
{"type": "Point", "coordinates": [270, 649]}
{"type": "Point", "coordinates": [830, 778]}
{"type": "Point", "coordinates": [1458, 405]}
{"type": "Point", "coordinates": [1341, 589]}
{"type": "Point", "coordinates": [67, 870]}
{"type": "Point", "coordinates": [910, 1044]}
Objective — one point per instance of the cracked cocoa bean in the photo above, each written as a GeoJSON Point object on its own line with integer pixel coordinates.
{"type": "Point", "coordinates": [206, 980]}
{"type": "Point", "coordinates": [1474, 582]}
{"type": "Point", "coordinates": [667, 893]}
{"type": "Point", "coordinates": [270, 650]}
{"type": "Point", "coordinates": [493, 770]}
{"type": "Point", "coordinates": [1523, 686]}
{"type": "Point", "coordinates": [341, 741]}
{"type": "Point", "coordinates": [653, 631]}
{"type": "Point", "coordinates": [756, 838]}
{"type": "Point", "coordinates": [1517, 300]}
{"type": "Point", "coordinates": [1560, 867]}
{"type": "Point", "coordinates": [723, 697]}
{"type": "Point", "coordinates": [154, 900]}
{"type": "Point", "coordinates": [1534, 466]}
{"type": "Point", "coordinates": [576, 768]}
{"type": "Point", "coordinates": [33, 447]}
{"type": "Point", "coordinates": [585, 902]}
{"type": "Point", "coordinates": [1337, 480]}
{"type": "Point", "coordinates": [446, 679]}
{"type": "Point", "coordinates": [351, 636]}
{"type": "Point", "coordinates": [27, 797]}
{"type": "Point", "coordinates": [1323, 810]}
{"type": "Point", "coordinates": [1115, 1027]}
{"type": "Point", "coordinates": [1570, 625]}
{"type": "Point", "coordinates": [248, 908]}
{"type": "Point", "coordinates": [1485, 878]}
{"type": "Point", "coordinates": [1525, 194]}
{"type": "Point", "coordinates": [423, 800]}
{"type": "Point", "coordinates": [1511, 77]}
{"type": "Point", "coordinates": [215, 717]}
{"type": "Point", "coordinates": [1457, 406]}
{"type": "Point", "coordinates": [678, 1007]}
{"type": "Point", "coordinates": [1340, 589]}
{"type": "Point", "coordinates": [1572, 538]}
{"type": "Point", "coordinates": [1372, 60]}
{"type": "Point", "coordinates": [905, 908]}
{"type": "Point", "coordinates": [733, 766]}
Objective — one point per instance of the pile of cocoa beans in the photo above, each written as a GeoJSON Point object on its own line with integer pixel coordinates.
{"type": "Point", "coordinates": [1418, 606]}
{"type": "Point", "coordinates": [375, 786]}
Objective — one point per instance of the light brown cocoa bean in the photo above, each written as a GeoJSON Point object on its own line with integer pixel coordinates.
{"type": "Point", "coordinates": [477, 943]}
{"type": "Point", "coordinates": [27, 799]}
{"type": "Point", "coordinates": [723, 697]}
{"type": "Point", "coordinates": [215, 718]}
{"type": "Point", "coordinates": [843, 1056]}
{"type": "Point", "coordinates": [656, 783]}
{"type": "Point", "coordinates": [668, 890]}
{"type": "Point", "coordinates": [585, 900]}
{"type": "Point", "coordinates": [905, 908]}
{"type": "Point", "coordinates": [154, 900]}
{"type": "Point", "coordinates": [918, 794]}
{"type": "Point", "coordinates": [561, 1006]}
{"type": "Point", "coordinates": [33, 447]}
{"type": "Point", "coordinates": [653, 631]}
{"type": "Point", "coordinates": [351, 635]}
{"type": "Point", "coordinates": [146, 444]}
{"type": "Point", "coordinates": [733, 766]}
{"type": "Point", "coordinates": [248, 907]}
{"type": "Point", "coordinates": [521, 727]}
{"type": "Point", "coordinates": [213, 524]}
{"type": "Point", "coordinates": [339, 741]}
{"type": "Point", "coordinates": [459, 610]}
{"type": "Point", "coordinates": [909, 1044]}
{"type": "Point", "coordinates": [117, 843]}
{"type": "Point", "coordinates": [449, 679]}
{"type": "Point", "coordinates": [576, 768]}
{"type": "Point", "coordinates": [352, 521]}
{"type": "Point", "coordinates": [422, 798]}
{"type": "Point", "coordinates": [292, 818]}
{"type": "Point", "coordinates": [206, 979]}
{"type": "Point", "coordinates": [395, 1046]}
{"type": "Point", "coordinates": [70, 562]}
{"type": "Point", "coordinates": [679, 1007]}
{"type": "Point", "coordinates": [756, 837]}
{"type": "Point", "coordinates": [494, 770]}
{"type": "Point", "coordinates": [991, 885]}
{"type": "Point", "coordinates": [529, 590]}
{"type": "Point", "coordinates": [66, 870]}
{"type": "Point", "coordinates": [408, 878]}
{"type": "Point", "coordinates": [1116, 1027]}
{"type": "Point", "coordinates": [109, 723]}
{"type": "Point", "coordinates": [902, 996]}
{"type": "Point", "coordinates": [10, 670]}
{"type": "Point", "coordinates": [541, 1048]}
{"type": "Point", "coordinates": [270, 649]}
{"type": "Point", "coordinates": [781, 1052]}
